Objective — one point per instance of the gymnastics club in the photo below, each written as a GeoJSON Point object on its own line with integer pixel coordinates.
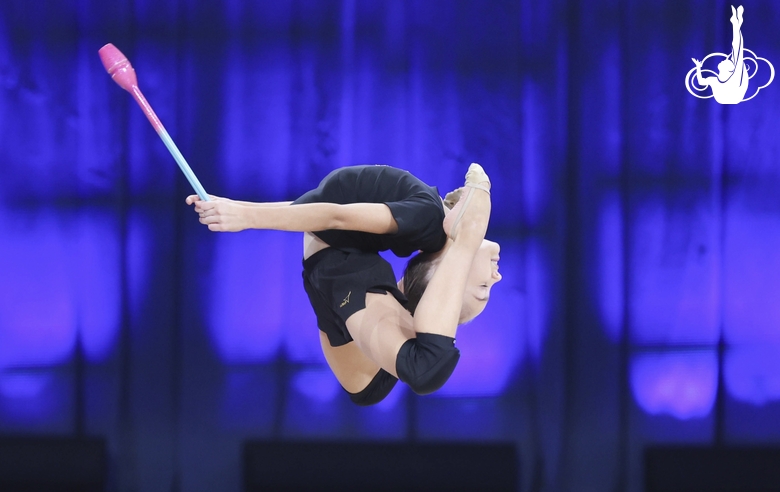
{"type": "Point", "coordinates": [119, 68]}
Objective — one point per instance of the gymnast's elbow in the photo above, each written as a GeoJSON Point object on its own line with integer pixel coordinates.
{"type": "Point", "coordinates": [336, 216]}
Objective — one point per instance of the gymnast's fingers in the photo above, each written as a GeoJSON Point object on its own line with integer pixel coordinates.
{"type": "Point", "coordinates": [206, 206]}
{"type": "Point", "coordinates": [192, 199]}
{"type": "Point", "coordinates": [209, 219]}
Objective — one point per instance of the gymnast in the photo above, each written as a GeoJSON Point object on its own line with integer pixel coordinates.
{"type": "Point", "coordinates": [353, 214]}
{"type": "Point", "coordinates": [731, 84]}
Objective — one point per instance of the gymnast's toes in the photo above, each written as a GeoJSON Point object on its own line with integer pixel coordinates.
{"type": "Point", "coordinates": [477, 176]}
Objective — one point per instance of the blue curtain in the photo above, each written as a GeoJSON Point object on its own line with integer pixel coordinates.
{"type": "Point", "coordinates": [638, 227]}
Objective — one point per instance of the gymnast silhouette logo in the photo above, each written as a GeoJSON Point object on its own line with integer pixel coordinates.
{"type": "Point", "coordinates": [730, 84]}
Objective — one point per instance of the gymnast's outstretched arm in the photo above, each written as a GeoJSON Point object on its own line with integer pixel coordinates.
{"type": "Point", "coordinates": [221, 214]}
{"type": "Point", "coordinates": [195, 198]}
{"type": "Point", "coordinates": [701, 80]}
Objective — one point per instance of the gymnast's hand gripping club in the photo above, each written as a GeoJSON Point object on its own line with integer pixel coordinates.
{"type": "Point", "coordinates": [120, 70]}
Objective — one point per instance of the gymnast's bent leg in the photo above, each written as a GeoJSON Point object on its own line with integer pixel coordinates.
{"type": "Point", "coordinates": [420, 350]}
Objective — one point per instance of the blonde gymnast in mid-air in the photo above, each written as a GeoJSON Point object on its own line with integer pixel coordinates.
{"type": "Point", "coordinates": [354, 213]}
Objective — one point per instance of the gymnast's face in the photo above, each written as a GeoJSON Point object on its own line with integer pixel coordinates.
{"type": "Point", "coordinates": [482, 276]}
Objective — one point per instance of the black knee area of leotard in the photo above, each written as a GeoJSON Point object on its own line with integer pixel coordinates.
{"type": "Point", "coordinates": [425, 363]}
{"type": "Point", "coordinates": [376, 391]}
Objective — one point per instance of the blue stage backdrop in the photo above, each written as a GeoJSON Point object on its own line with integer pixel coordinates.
{"type": "Point", "coordinates": [639, 227]}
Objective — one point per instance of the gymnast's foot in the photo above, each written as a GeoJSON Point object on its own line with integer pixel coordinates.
{"type": "Point", "coordinates": [736, 15]}
{"type": "Point", "coordinates": [476, 179]}
{"type": "Point", "coordinates": [476, 175]}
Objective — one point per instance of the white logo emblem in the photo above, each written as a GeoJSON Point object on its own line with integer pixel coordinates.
{"type": "Point", "coordinates": [730, 84]}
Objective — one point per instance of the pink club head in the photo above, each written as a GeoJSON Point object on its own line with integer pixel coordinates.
{"type": "Point", "coordinates": [118, 67]}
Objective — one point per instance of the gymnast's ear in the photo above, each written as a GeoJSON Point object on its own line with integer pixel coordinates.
{"type": "Point", "coordinates": [401, 285]}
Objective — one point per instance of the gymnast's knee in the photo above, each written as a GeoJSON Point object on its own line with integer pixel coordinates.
{"type": "Point", "coordinates": [425, 363]}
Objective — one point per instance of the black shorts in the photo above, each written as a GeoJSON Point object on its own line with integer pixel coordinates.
{"type": "Point", "coordinates": [337, 281]}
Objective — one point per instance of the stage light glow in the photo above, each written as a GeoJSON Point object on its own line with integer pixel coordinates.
{"type": "Point", "coordinates": [245, 297]}
{"type": "Point", "coordinates": [94, 269]}
{"type": "Point", "coordinates": [751, 265]}
{"type": "Point", "coordinates": [317, 384]}
{"type": "Point", "coordinates": [673, 279]}
{"type": "Point", "coordinates": [37, 309]}
{"type": "Point", "coordinates": [752, 373]}
{"type": "Point", "coordinates": [37, 400]}
{"type": "Point", "coordinates": [23, 385]}
{"type": "Point", "coordinates": [680, 384]}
